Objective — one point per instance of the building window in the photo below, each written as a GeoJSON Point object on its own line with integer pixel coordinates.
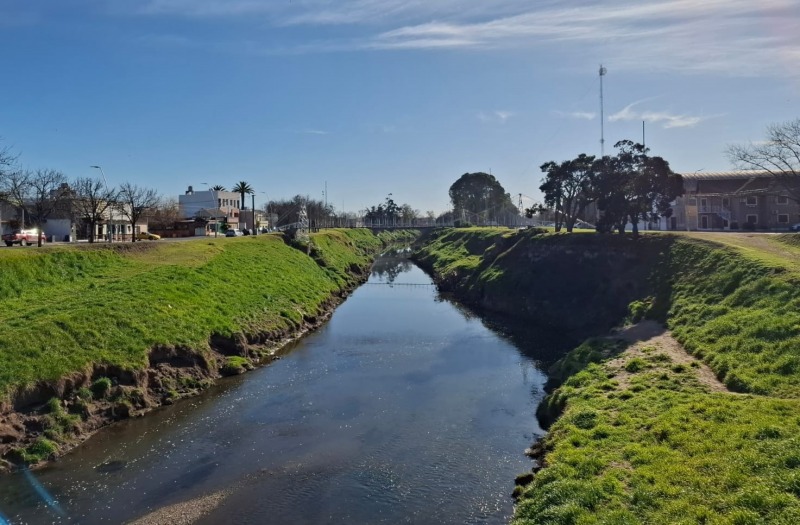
{"type": "Point", "coordinates": [752, 201]}
{"type": "Point", "coordinates": [782, 199]}
{"type": "Point", "coordinates": [726, 202]}
{"type": "Point", "coordinates": [783, 218]}
{"type": "Point", "coordinates": [752, 219]}
{"type": "Point", "coordinates": [704, 203]}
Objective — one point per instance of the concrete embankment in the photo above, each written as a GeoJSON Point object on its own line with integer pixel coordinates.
{"type": "Point", "coordinates": [94, 334]}
{"type": "Point", "coordinates": [694, 421]}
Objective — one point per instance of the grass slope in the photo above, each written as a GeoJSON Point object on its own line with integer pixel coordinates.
{"type": "Point", "coordinates": [661, 448]}
{"type": "Point", "coordinates": [66, 308]}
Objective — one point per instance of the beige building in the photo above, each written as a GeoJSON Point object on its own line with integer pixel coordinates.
{"type": "Point", "coordinates": [733, 200]}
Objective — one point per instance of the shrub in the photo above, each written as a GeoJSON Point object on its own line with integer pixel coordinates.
{"type": "Point", "coordinates": [84, 394]}
{"type": "Point", "coordinates": [635, 365]}
{"type": "Point", "coordinates": [101, 387]}
{"type": "Point", "coordinates": [39, 450]}
{"type": "Point", "coordinates": [585, 419]}
{"type": "Point", "coordinates": [235, 365]}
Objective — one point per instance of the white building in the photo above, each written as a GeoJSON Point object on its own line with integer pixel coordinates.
{"type": "Point", "coordinates": [220, 205]}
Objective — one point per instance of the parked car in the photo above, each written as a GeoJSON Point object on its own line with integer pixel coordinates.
{"type": "Point", "coordinates": [233, 232]}
{"type": "Point", "coordinates": [23, 237]}
{"type": "Point", "coordinates": [795, 228]}
{"type": "Point", "coordinates": [247, 231]}
{"type": "Point", "coordinates": [147, 236]}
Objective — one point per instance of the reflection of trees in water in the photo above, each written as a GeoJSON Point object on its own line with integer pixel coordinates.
{"type": "Point", "coordinates": [392, 264]}
{"type": "Point", "coordinates": [544, 344]}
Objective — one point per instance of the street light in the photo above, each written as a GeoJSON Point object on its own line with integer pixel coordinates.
{"type": "Point", "coordinates": [214, 207]}
{"type": "Point", "coordinates": [253, 211]}
{"type": "Point", "coordinates": [110, 207]}
{"type": "Point", "coordinates": [266, 208]}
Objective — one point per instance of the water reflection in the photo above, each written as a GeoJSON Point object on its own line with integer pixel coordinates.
{"type": "Point", "coordinates": [404, 408]}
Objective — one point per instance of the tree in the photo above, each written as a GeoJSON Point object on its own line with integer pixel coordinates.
{"type": "Point", "coordinates": [91, 198]}
{"type": "Point", "coordinates": [165, 213]}
{"type": "Point", "coordinates": [389, 213]}
{"type": "Point", "coordinates": [632, 186]}
{"type": "Point", "coordinates": [48, 188]}
{"type": "Point", "coordinates": [288, 210]}
{"type": "Point", "coordinates": [567, 188]}
{"type": "Point", "coordinates": [779, 155]}
{"type": "Point", "coordinates": [242, 188]}
{"type": "Point", "coordinates": [37, 193]}
{"type": "Point", "coordinates": [133, 202]}
{"type": "Point", "coordinates": [218, 187]}
{"type": "Point", "coordinates": [480, 195]}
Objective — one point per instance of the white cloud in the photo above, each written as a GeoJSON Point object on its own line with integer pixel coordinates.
{"type": "Point", "coordinates": [315, 132]}
{"type": "Point", "coordinates": [732, 37]}
{"type": "Point", "coordinates": [581, 115]}
{"type": "Point", "coordinates": [495, 116]}
{"type": "Point", "coordinates": [665, 118]}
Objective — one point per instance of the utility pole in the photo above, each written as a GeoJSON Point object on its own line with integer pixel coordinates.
{"type": "Point", "coordinates": [253, 212]}
{"type": "Point", "coordinates": [602, 118]}
{"type": "Point", "coordinates": [643, 142]}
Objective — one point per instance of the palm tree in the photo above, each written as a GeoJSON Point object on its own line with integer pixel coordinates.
{"type": "Point", "coordinates": [241, 188]}
{"type": "Point", "coordinates": [218, 187]}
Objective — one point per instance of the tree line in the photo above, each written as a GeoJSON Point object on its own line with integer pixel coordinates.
{"type": "Point", "coordinates": [41, 194]}
{"type": "Point", "coordinates": [628, 187]}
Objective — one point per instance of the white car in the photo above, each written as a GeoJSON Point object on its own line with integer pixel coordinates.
{"type": "Point", "coordinates": [233, 232]}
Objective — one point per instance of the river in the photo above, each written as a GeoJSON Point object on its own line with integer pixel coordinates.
{"type": "Point", "coordinates": [403, 408]}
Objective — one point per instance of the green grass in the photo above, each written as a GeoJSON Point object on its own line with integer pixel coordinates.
{"type": "Point", "coordinates": [659, 448]}
{"type": "Point", "coordinates": [65, 309]}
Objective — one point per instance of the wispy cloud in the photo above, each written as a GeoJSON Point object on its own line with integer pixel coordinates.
{"type": "Point", "coordinates": [733, 37]}
{"type": "Point", "coordinates": [665, 118]}
{"type": "Point", "coordinates": [495, 116]}
{"type": "Point", "coordinates": [581, 115]}
{"type": "Point", "coordinates": [315, 132]}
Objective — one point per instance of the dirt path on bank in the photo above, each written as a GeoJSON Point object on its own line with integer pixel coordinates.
{"type": "Point", "coordinates": [763, 246]}
{"type": "Point", "coordinates": [650, 338]}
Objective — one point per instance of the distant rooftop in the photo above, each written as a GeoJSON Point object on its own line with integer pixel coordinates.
{"type": "Point", "coordinates": [719, 175]}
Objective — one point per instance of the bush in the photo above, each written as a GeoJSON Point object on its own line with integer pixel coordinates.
{"type": "Point", "coordinates": [635, 365]}
{"type": "Point", "coordinates": [235, 365]}
{"type": "Point", "coordinates": [39, 450]}
{"type": "Point", "coordinates": [101, 387]}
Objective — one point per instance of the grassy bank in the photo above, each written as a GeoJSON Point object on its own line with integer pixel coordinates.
{"type": "Point", "coordinates": [659, 446]}
{"type": "Point", "coordinates": [71, 314]}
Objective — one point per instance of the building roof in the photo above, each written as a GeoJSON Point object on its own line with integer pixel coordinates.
{"type": "Point", "coordinates": [720, 175]}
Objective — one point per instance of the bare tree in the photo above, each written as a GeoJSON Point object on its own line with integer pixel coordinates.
{"type": "Point", "coordinates": [91, 198]}
{"type": "Point", "coordinates": [165, 213]}
{"type": "Point", "coordinates": [134, 202]}
{"type": "Point", "coordinates": [779, 155]}
{"type": "Point", "coordinates": [48, 188]}
{"type": "Point", "coordinates": [37, 193]}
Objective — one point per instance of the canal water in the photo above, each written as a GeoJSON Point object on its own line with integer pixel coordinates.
{"type": "Point", "coordinates": [404, 408]}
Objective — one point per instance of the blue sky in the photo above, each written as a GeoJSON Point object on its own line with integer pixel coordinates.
{"type": "Point", "coordinates": [384, 96]}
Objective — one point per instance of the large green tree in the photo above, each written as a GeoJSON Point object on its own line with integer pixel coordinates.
{"type": "Point", "coordinates": [633, 186]}
{"type": "Point", "coordinates": [567, 188]}
{"type": "Point", "coordinates": [479, 197]}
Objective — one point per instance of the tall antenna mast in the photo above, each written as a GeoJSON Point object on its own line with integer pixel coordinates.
{"type": "Point", "coordinates": [643, 142]}
{"type": "Point", "coordinates": [602, 118]}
